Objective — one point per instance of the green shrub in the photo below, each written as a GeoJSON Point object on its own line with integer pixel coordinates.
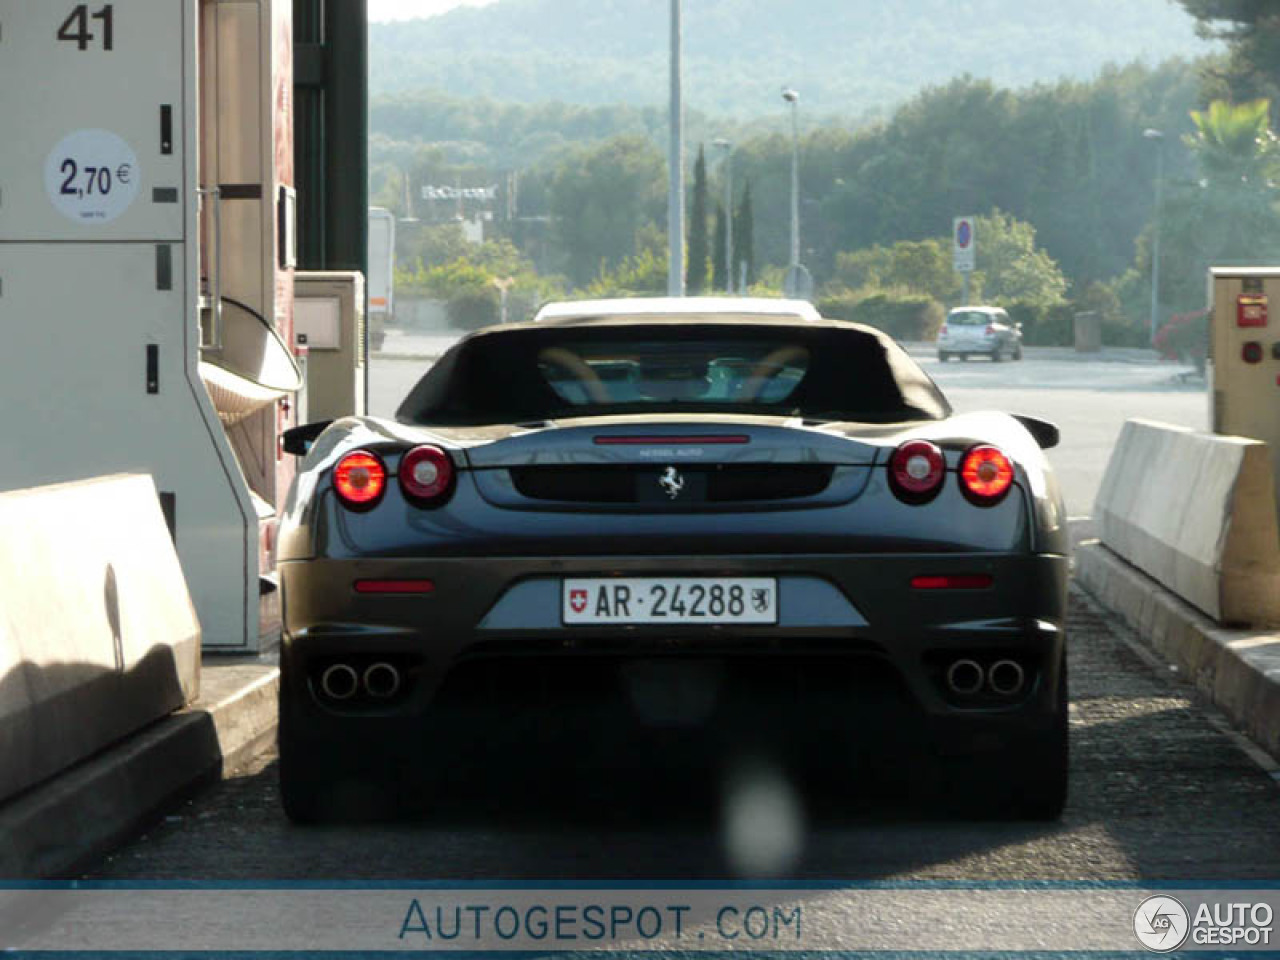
{"type": "Point", "coordinates": [1044, 326]}
{"type": "Point", "coordinates": [472, 310]}
{"type": "Point", "coordinates": [903, 316]}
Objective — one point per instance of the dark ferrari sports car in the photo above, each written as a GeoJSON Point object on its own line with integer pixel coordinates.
{"type": "Point", "coordinates": [695, 514]}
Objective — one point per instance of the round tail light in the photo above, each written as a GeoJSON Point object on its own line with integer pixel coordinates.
{"type": "Point", "coordinates": [916, 471]}
{"type": "Point", "coordinates": [360, 478]}
{"type": "Point", "coordinates": [986, 474]}
{"type": "Point", "coordinates": [426, 474]}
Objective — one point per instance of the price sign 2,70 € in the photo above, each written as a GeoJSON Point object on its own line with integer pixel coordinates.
{"type": "Point", "coordinates": [91, 176]}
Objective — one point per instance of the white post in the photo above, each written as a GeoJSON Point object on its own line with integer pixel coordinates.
{"type": "Point", "coordinates": [1158, 137]}
{"type": "Point", "coordinates": [795, 179]}
{"type": "Point", "coordinates": [675, 199]}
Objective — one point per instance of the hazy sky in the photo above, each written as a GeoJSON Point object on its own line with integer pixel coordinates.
{"type": "Point", "coordinates": [411, 9]}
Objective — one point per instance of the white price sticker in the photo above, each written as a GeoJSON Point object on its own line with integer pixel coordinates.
{"type": "Point", "coordinates": [91, 176]}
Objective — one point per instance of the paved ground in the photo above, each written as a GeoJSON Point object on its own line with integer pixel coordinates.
{"type": "Point", "coordinates": [1088, 398]}
{"type": "Point", "coordinates": [1158, 791]}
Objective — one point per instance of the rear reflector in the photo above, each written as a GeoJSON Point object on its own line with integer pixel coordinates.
{"type": "Point", "coordinates": [395, 586]}
{"type": "Point", "coordinates": [954, 581]}
{"type": "Point", "coordinates": [426, 475]}
{"type": "Point", "coordinates": [916, 471]}
{"type": "Point", "coordinates": [714, 440]}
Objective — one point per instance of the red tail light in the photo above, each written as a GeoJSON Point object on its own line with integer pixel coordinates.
{"type": "Point", "coordinates": [916, 471]}
{"type": "Point", "coordinates": [991, 331]}
{"type": "Point", "coordinates": [986, 475]}
{"type": "Point", "coordinates": [360, 479]}
{"type": "Point", "coordinates": [942, 331]}
{"type": "Point", "coordinates": [426, 474]}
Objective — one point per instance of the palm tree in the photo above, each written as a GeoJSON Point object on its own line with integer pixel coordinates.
{"type": "Point", "coordinates": [1231, 214]}
{"type": "Point", "coordinates": [1234, 143]}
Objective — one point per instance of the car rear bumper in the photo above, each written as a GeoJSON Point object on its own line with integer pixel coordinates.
{"type": "Point", "coordinates": [854, 637]}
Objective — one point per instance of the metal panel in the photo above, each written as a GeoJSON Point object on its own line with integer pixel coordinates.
{"type": "Point", "coordinates": [1245, 396]}
{"type": "Point", "coordinates": [99, 312]}
{"type": "Point", "coordinates": [80, 317]}
{"type": "Point", "coordinates": [94, 108]}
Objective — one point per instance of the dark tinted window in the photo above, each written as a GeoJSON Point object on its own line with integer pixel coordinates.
{"type": "Point", "coordinates": [970, 318]}
{"type": "Point", "coordinates": [533, 373]}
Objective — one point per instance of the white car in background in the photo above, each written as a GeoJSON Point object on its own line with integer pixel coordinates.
{"type": "Point", "coordinates": [984, 331]}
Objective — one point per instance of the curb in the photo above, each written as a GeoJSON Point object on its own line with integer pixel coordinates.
{"type": "Point", "coordinates": [90, 808]}
{"type": "Point", "coordinates": [1238, 670]}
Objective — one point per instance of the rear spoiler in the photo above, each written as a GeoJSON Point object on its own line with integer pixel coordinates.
{"type": "Point", "coordinates": [299, 440]}
{"type": "Point", "coordinates": [1046, 434]}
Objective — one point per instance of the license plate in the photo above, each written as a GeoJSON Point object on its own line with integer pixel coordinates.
{"type": "Point", "coordinates": [620, 600]}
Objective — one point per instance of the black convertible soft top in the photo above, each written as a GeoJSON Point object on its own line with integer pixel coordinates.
{"type": "Point", "coordinates": [536, 372]}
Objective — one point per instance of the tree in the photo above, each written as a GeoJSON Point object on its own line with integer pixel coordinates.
{"type": "Point", "coordinates": [920, 266]}
{"type": "Point", "coordinates": [1226, 215]}
{"type": "Point", "coordinates": [697, 272]}
{"type": "Point", "coordinates": [642, 274]}
{"type": "Point", "coordinates": [744, 243]}
{"type": "Point", "coordinates": [1012, 269]}
{"type": "Point", "coordinates": [1252, 31]}
{"type": "Point", "coordinates": [601, 196]}
{"type": "Point", "coordinates": [426, 245]}
{"type": "Point", "coordinates": [1234, 145]}
{"type": "Point", "coordinates": [719, 273]}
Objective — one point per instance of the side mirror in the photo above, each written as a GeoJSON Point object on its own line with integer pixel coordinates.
{"type": "Point", "coordinates": [1046, 434]}
{"type": "Point", "coordinates": [299, 440]}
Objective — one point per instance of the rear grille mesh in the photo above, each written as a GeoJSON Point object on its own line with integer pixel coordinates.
{"type": "Point", "coordinates": [722, 483]}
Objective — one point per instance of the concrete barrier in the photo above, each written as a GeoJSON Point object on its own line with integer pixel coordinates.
{"type": "Point", "coordinates": [98, 636]}
{"type": "Point", "coordinates": [1197, 513]}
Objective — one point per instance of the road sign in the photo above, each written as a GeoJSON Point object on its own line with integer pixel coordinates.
{"type": "Point", "coordinates": [964, 244]}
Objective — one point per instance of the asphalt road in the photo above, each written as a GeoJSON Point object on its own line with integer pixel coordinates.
{"type": "Point", "coordinates": [1159, 791]}
{"type": "Point", "coordinates": [1089, 399]}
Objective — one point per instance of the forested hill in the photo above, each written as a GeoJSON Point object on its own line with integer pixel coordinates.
{"type": "Point", "coordinates": [846, 56]}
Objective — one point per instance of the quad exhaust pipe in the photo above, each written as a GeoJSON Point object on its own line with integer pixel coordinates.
{"type": "Point", "coordinates": [1004, 678]}
{"type": "Point", "coordinates": [965, 677]}
{"type": "Point", "coordinates": [340, 682]}
{"type": "Point", "coordinates": [380, 681]}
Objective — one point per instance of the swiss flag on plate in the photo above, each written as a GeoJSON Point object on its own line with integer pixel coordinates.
{"type": "Point", "coordinates": [578, 600]}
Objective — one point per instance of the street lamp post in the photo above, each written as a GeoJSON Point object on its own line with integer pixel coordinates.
{"type": "Point", "coordinates": [727, 147]}
{"type": "Point", "coordinates": [793, 98]}
{"type": "Point", "coordinates": [1158, 137]}
{"type": "Point", "coordinates": [675, 161]}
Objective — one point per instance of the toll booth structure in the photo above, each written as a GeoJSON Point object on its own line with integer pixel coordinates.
{"type": "Point", "coordinates": [1244, 356]}
{"type": "Point", "coordinates": [149, 233]}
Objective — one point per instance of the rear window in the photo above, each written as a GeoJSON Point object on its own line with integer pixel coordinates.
{"type": "Point", "coordinates": [520, 374]}
{"type": "Point", "coordinates": [585, 373]}
{"type": "Point", "coordinates": [969, 318]}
